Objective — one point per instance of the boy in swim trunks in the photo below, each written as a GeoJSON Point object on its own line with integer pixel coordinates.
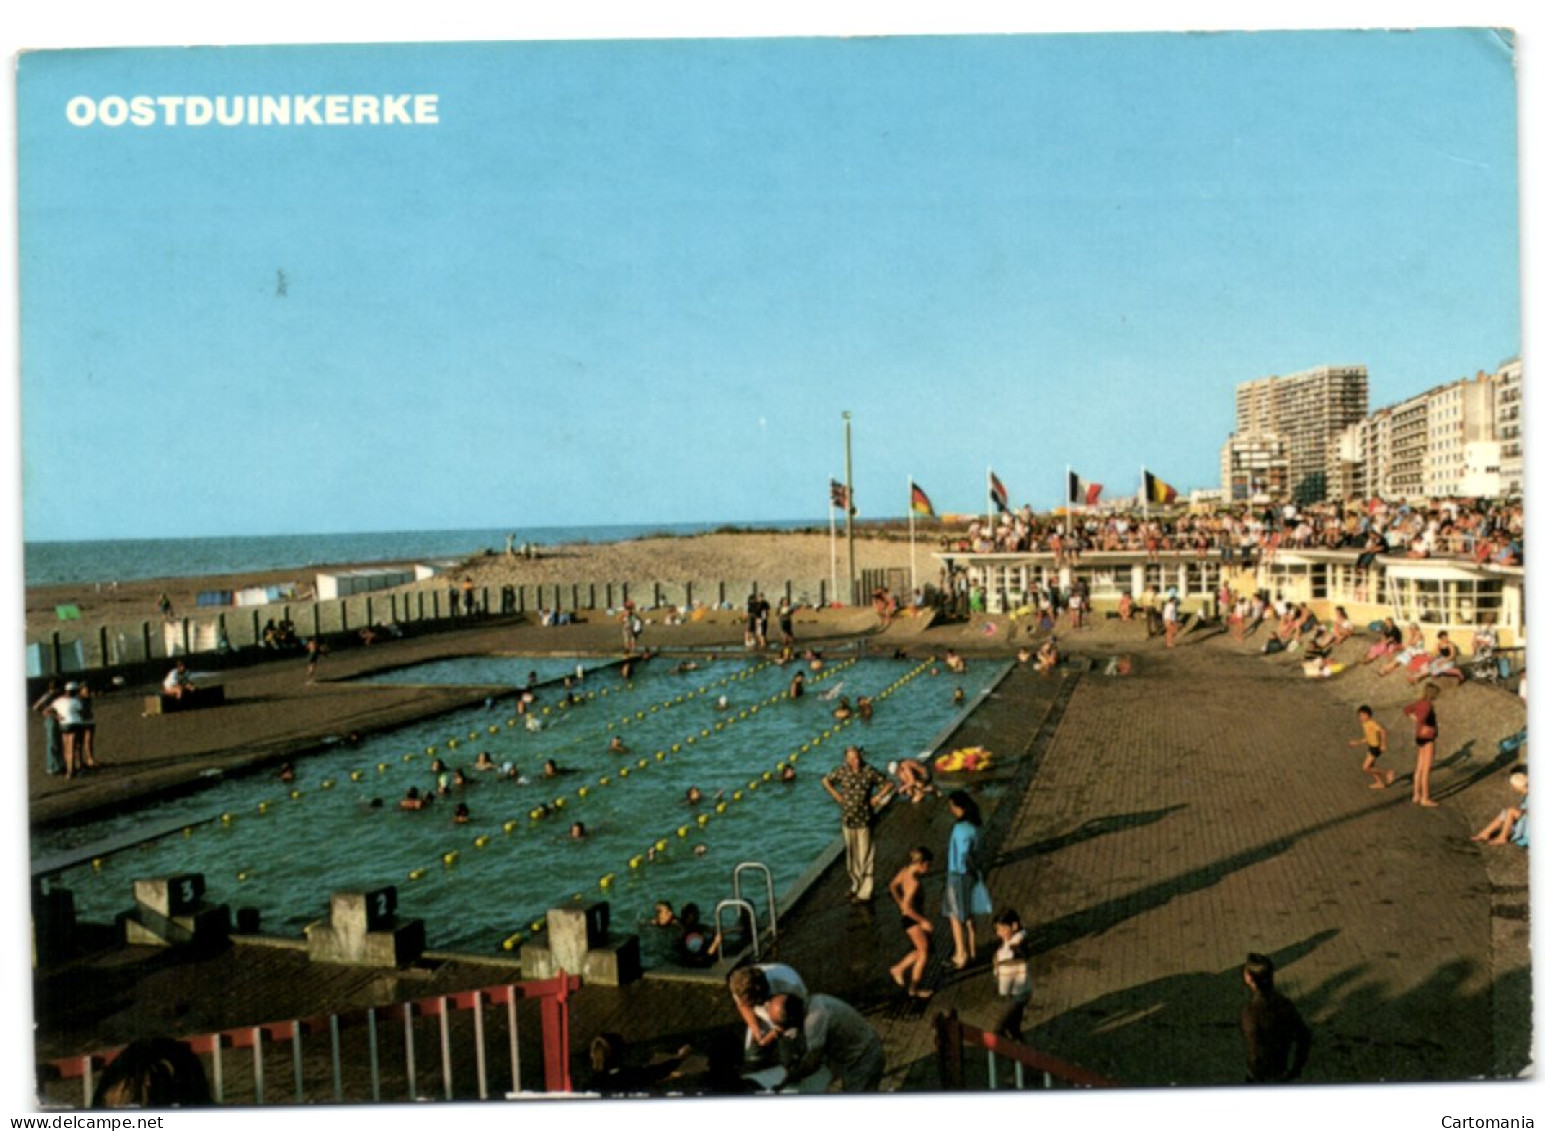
{"type": "Point", "coordinates": [906, 889]}
{"type": "Point", "coordinates": [1376, 739]}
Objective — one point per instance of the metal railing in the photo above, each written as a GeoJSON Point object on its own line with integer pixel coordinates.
{"type": "Point", "coordinates": [343, 1074]}
{"type": "Point", "coordinates": [952, 1037]}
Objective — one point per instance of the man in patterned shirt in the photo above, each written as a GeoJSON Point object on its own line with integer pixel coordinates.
{"type": "Point", "coordinates": [859, 789]}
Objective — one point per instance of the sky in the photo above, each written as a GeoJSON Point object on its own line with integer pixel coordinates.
{"type": "Point", "coordinates": [642, 281]}
{"type": "Point", "coordinates": [581, 296]}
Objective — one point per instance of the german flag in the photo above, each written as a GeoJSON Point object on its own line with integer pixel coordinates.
{"type": "Point", "coordinates": [920, 503]}
{"type": "Point", "coordinates": [1156, 491]}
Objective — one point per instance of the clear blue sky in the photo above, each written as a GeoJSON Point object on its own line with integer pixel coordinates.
{"type": "Point", "coordinates": [639, 282]}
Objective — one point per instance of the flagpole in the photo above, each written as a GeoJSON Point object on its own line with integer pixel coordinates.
{"type": "Point", "coordinates": [989, 499]}
{"type": "Point", "coordinates": [1142, 486]}
{"type": "Point", "coordinates": [1068, 483]}
{"type": "Point", "coordinates": [912, 534]}
{"type": "Point", "coordinates": [831, 519]}
{"type": "Point", "coordinates": [847, 427]}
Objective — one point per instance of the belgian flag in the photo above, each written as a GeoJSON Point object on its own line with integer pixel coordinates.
{"type": "Point", "coordinates": [1156, 491]}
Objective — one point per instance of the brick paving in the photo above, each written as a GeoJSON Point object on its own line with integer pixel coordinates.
{"type": "Point", "coordinates": [1151, 829]}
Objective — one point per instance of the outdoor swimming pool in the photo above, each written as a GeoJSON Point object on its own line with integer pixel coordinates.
{"type": "Point", "coordinates": [489, 671]}
{"type": "Point", "coordinates": [283, 848]}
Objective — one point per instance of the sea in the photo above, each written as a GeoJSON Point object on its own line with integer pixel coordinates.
{"type": "Point", "coordinates": [74, 563]}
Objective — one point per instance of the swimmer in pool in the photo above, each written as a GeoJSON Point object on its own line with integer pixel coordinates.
{"type": "Point", "coordinates": [550, 769]}
{"type": "Point", "coordinates": [485, 761]}
{"type": "Point", "coordinates": [959, 696]}
{"type": "Point", "coordinates": [797, 685]}
{"type": "Point", "coordinates": [617, 746]}
{"type": "Point", "coordinates": [844, 710]}
{"type": "Point", "coordinates": [437, 767]}
{"type": "Point", "coordinates": [865, 708]}
{"type": "Point", "coordinates": [412, 800]}
{"type": "Point", "coordinates": [577, 831]}
{"type": "Point", "coordinates": [462, 815]}
{"type": "Point", "coordinates": [788, 774]}
{"type": "Point", "coordinates": [694, 795]}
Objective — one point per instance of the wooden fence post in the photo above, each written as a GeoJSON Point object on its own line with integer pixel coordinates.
{"type": "Point", "coordinates": [947, 1048]}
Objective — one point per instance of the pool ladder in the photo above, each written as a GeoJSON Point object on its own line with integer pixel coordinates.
{"type": "Point", "coordinates": [739, 903]}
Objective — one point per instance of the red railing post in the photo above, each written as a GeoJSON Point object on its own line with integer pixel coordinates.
{"type": "Point", "coordinates": [555, 1036]}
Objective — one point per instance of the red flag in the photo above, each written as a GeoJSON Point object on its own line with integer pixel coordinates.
{"type": "Point", "coordinates": [999, 493]}
{"type": "Point", "coordinates": [839, 495]}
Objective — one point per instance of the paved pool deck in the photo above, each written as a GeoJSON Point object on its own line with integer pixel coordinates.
{"type": "Point", "coordinates": [1151, 828]}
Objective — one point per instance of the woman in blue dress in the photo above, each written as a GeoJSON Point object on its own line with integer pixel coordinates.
{"type": "Point", "coordinates": [965, 886]}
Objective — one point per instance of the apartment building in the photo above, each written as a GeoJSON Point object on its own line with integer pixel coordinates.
{"type": "Point", "coordinates": [1307, 412]}
{"type": "Point", "coordinates": [1462, 457]}
{"type": "Point", "coordinates": [1254, 464]}
{"type": "Point", "coordinates": [1509, 425]}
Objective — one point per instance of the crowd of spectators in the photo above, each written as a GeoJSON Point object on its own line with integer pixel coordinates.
{"type": "Point", "coordinates": [1480, 530]}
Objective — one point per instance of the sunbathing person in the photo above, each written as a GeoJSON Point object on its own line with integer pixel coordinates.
{"type": "Point", "coordinates": [1445, 661]}
{"type": "Point", "coordinates": [1511, 825]}
{"type": "Point", "coordinates": [1413, 656]}
{"type": "Point", "coordinates": [1388, 644]}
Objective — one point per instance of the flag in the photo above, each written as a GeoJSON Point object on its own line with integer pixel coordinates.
{"type": "Point", "coordinates": [1155, 490]}
{"type": "Point", "coordinates": [1081, 493]}
{"type": "Point", "coordinates": [839, 495]}
{"type": "Point", "coordinates": [999, 493]}
{"type": "Point", "coordinates": [920, 503]}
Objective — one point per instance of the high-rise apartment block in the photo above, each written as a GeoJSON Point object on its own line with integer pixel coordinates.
{"type": "Point", "coordinates": [1306, 414]}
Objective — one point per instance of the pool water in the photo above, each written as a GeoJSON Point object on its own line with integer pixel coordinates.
{"type": "Point", "coordinates": [283, 848]}
{"type": "Point", "coordinates": [489, 671]}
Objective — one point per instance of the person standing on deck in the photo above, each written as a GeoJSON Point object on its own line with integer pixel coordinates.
{"type": "Point", "coordinates": [1424, 718]}
{"type": "Point", "coordinates": [1276, 1038]}
{"type": "Point", "coordinates": [53, 742]}
{"type": "Point", "coordinates": [786, 620]}
{"type": "Point", "coordinates": [859, 790]}
{"type": "Point", "coordinates": [965, 886]}
{"type": "Point", "coordinates": [68, 711]}
{"type": "Point", "coordinates": [906, 889]}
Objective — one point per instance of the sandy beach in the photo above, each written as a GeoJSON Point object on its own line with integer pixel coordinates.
{"type": "Point", "coordinates": [727, 556]}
